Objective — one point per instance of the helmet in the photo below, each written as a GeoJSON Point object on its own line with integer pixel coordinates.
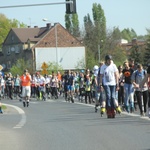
{"type": "Point", "coordinates": [108, 57]}
{"type": "Point", "coordinates": [95, 67]}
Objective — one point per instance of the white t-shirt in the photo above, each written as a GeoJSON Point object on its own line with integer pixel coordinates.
{"type": "Point", "coordinates": [41, 81]}
{"type": "Point", "coordinates": [108, 73]}
{"type": "Point", "coordinates": [47, 80]}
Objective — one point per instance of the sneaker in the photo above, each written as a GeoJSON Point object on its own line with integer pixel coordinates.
{"type": "Point", "coordinates": [142, 114]}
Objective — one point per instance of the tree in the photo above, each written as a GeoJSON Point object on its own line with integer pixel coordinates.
{"type": "Point", "coordinates": [19, 67]}
{"type": "Point", "coordinates": [95, 31]}
{"type": "Point", "coordinates": [119, 56]}
{"type": "Point", "coordinates": [68, 22]}
{"type": "Point", "coordinates": [53, 66]}
{"type": "Point", "coordinates": [75, 25]}
{"type": "Point", "coordinates": [128, 34]}
{"type": "Point", "coordinates": [136, 54]}
{"type": "Point", "coordinates": [100, 22]}
{"type": "Point", "coordinates": [5, 26]}
{"type": "Point", "coordinates": [90, 59]}
{"type": "Point", "coordinates": [72, 24]}
{"type": "Point", "coordinates": [89, 28]}
{"type": "Point", "coordinates": [147, 50]}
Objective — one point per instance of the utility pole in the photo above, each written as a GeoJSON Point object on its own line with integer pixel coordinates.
{"type": "Point", "coordinates": [99, 50]}
{"type": "Point", "coordinates": [99, 53]}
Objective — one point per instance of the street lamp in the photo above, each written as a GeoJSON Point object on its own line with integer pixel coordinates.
{"type": "Point", "coordinates": [56, 39]}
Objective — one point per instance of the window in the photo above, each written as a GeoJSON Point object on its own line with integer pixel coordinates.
{"type": "Point", "coordinates": [17, 50]}
{"type": "Point", "coordinates": [8, 64]}
{"type": "Point", "coordinates": [8, 51]}
{"type": "Point", "coordinates": [12, 38]}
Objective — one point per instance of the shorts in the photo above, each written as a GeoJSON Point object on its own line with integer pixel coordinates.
{"type": "Point", "coordinates": [76, 86]}
{"type": "Point", "coordinates": [26, 91]}
{"type": "Point", "coordinates": [70, 87]}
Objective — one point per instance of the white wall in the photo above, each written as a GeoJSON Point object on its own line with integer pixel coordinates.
{"type": "Point", "coordinates": [67, 56]}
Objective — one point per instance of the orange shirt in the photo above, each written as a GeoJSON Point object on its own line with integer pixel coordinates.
{"type": "Point", "coordinates": [59, 77]}
{"type": "Point", "coordinates": [25, 80]}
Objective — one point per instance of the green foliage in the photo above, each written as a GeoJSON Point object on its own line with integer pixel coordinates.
{"type": "Point", "coordinates": [137, 53]}
{"type": "Point", "coordinates": [119, 56]}
{"type": "Point", "coordinates": [72, 24]}
{"type": "Point", "coordinates": [100, 22]}
{"type": "Point", "coordinates": [68, 22]}
{"type": "Point", "coordinates": [5, 26]}
{"type": "Point", "coordinates": [147, 50]}
{"type": "Point", "coordinates": [19, 67]}
{"type": "Point", "coordinates": [80, 64]}
{"type": "Point", "coordinates": [53, 66]}
{"type": "Point", "coordinates": [90, 59]}
{"type": "Point", "coordinates": [4, 107]}
{"type": "Point", "coordinates": [95, 32]}
{"type": "Point", "coordinates": [75, 25]}
{"type": "Point", "coordinates": [116, 34]}
{"type": "Point", "coordinates": [128, 34]}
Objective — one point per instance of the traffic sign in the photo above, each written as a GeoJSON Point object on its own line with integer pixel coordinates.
{"type": "Point", "coordinates": [44, 65]}
{"type": "Point", "coordinates": [44, 72]}
{"type": "Point", "coordinates": [1, 67]}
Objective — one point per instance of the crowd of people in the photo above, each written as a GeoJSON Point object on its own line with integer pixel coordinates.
{"type": "Point", "coordinates": [106, 85]}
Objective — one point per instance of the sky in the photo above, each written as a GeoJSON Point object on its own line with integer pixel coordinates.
{"type": "Point", "coordinates": [119, 13]}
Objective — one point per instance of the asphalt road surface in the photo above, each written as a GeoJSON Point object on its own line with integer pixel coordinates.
{"type": "Point", "coordinates": [60, 125]}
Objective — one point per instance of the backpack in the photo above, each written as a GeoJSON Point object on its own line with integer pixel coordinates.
{"type": "Point", "coordinates": [136, 73]}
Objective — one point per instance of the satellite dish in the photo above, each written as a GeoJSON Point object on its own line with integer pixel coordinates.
{"type": "Point", "coordinates": [12, 49]}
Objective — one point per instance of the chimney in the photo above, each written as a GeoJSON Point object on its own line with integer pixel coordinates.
{"type": "Point", "coordinates": [48, 25]}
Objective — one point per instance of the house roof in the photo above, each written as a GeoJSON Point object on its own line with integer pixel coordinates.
{"type": "Point", "coordinates": [34, 34]}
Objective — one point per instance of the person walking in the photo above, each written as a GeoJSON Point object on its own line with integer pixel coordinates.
{"type": "Point", "coordinates": [9, 85]}
{"type": "Point", "coordinates": [128, 88]}
{"type": "Point", "coordinates": [147, 79]}
{"type": "Point", "coordinates": [140, 93]}
{"type": "Point", "coordinates": [26, 87]}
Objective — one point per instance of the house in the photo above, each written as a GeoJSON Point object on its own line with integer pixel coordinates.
{"type": "Point", "coordinates": [135, 42]}
{"type": "Point", "coordinates": [45, 44]}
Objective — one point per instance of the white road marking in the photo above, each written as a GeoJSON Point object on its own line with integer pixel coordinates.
{"type": "Point", "coordinates": [23, 116]}
{"type": "Point", "coordinates": [125, 113]}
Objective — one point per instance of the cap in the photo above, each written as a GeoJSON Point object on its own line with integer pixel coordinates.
{"type": "Point", "coordinates": [108, 57]}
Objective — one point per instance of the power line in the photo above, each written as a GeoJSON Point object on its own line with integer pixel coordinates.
{"type": "Point", "coordinates": [31, 5]}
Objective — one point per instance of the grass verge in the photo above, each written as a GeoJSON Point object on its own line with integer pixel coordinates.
{"type": "Point", "coordinates": [4, 107]}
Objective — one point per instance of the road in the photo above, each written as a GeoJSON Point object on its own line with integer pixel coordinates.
{"type": "Point", "coordinates": [59, 125]}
